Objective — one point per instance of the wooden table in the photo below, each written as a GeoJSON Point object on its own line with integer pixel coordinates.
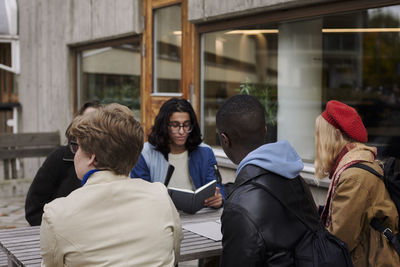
{"type": "Point", "coordinates": [22, 245]}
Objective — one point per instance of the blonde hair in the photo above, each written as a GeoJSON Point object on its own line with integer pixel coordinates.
{"type": "Point", "coordinates": [329, 142]}
{"type": "Point", "coordinates": [113, 135]}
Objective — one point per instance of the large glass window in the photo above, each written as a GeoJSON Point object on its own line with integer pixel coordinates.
{"type": "Point", "coordinates": [110, 74]}
{"type": "Point", "coordinates": [294, 68]}
{"type": "Point", "coordinates": [167, 50]}
{"type": "Point", "coordinates": [235, 61]}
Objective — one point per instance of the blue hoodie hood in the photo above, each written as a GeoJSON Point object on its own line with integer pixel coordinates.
{"type": "Point", "coordinates": [279, 158]}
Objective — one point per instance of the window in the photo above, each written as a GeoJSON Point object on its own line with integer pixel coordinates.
{"type": "Point", "coordinates": [238, 60]}
{"type": "Point", "coordinates": [294, 68]}
{"type": "Point", "coordinates": [8, 90]}
{"type": "Point", "coordinates": [110, 73]}
{"type": "Point", "coordinates": [167, 50]}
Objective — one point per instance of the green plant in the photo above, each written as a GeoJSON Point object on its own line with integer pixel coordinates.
{"type": "Point", "coordinates": [266, 93]}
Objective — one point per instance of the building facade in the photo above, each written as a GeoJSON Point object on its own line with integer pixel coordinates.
{"type": "Point", "coordinates": [294, 55]}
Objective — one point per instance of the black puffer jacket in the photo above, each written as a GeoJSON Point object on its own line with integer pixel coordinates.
{"type": "Point", "coordinates": [257, 230]}
{"type": "Point", "coordinates": [55, 178]}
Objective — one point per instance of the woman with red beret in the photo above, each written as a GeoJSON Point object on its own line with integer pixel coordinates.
{"type": "Point", "coordinates": [355, 196]}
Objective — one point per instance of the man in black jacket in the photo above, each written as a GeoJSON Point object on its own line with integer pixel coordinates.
{"type": "Point", "coordinates": [257, 230]}
{"type": "Point", "coordinates": [55, 178]}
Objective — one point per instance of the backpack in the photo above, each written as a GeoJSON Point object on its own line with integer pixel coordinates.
{"type": "Point", "coordinates": [391, 178]}
{"type": "Point", "coordinates": [317, 247]}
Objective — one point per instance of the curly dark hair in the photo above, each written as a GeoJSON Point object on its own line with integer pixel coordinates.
{"type": "Point", "coordinates": [159, 136]}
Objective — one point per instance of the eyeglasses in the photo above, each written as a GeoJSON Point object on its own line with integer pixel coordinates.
{"type": "Point", "coordinates": [176, 126]}
{"type": "Point", "coordinates": [73, 146]}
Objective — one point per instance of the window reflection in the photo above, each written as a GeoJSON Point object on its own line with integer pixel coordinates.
{"type": "Point", "coordinates": [362, 69]}
{"type": "Point", "coordinates": [298, 66]}
{"type": "Point", "coordinates": [167, 50]}
{"type": "Point", "coordinates": [234, 62]}
{"type": "Point", "coordinates": [111, 74]}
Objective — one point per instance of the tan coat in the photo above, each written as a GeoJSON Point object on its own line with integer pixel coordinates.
{"type": "Point", "coordinates": [111, 221]}
{"type": "Point", "coordinates": [359, 197]}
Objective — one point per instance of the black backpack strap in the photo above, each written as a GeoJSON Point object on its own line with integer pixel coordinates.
{"type": "Point", "coordinates": [375, 222]}
{"type": "Point", "coordinates": [267, 189]}
{"type": "Point", "coordinates": [367, 168]}
{"type": "Point", "coordinates": [386, 232]}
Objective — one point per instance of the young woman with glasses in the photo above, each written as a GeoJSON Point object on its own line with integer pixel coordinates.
{"type": "Point", "coordinates": [175, 140]}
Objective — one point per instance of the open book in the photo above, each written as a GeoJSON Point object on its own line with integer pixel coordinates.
{"type": "Point", "coordinates": [191, 201]}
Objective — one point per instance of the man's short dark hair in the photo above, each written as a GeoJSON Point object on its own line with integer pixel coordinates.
{"type": "Point", "coordinates": [241, 117]}
{"type": "Point", "coordinates": [89, 104]}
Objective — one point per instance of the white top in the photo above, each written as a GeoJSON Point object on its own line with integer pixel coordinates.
{"type": "Point", "coordinates": [180, 177]}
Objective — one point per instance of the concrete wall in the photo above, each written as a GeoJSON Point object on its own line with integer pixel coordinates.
{"type": "Point", "coordinates": [46, 29]}
{"type": "Point", "coordinates": [208, 10]}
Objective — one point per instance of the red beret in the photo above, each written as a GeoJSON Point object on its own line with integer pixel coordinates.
{"type": "Point", "coordinates": [346, 119]}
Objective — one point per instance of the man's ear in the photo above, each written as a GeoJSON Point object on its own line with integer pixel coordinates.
{"type": "Point", "coordinates": [225, 139]}
{"type": "Point", "coordinates": [92, 160]}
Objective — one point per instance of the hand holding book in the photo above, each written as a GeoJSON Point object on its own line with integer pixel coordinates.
{"type": "Point", "coordinates": [214, 201]}
{"type": "Point", "coordinates": [191, 201]}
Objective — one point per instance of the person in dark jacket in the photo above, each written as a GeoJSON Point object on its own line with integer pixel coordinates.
{"type": "Point", "coordinates": [257, 230]}
{"type": "Point", "coordinates": [55, 178]}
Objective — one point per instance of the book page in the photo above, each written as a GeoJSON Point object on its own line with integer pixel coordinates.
{"type": "Point", "coordinates": [211, 230]}
{"type": "Point", "coordinates": [206, 186]}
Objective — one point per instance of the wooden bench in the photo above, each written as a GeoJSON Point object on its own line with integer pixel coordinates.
{"type": "Point", "coordinates": [25, 145]}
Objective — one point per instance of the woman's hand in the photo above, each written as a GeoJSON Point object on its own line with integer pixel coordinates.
{"type": "Point", "coordinates": [215, 201]}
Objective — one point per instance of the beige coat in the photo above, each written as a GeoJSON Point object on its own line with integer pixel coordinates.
{"type": "Point", "coordinates": [359, 197]}
{"type": "Point", "coordinates": [111, 221]}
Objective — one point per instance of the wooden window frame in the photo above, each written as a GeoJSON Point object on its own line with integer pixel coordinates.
{"type": "Point", "coordinates": [152, 102]}
{"type": "Point", "coordinates": [78, 48]}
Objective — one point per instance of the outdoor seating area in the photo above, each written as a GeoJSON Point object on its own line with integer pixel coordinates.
{"type": "Point", "coordinates": [191, 132]}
